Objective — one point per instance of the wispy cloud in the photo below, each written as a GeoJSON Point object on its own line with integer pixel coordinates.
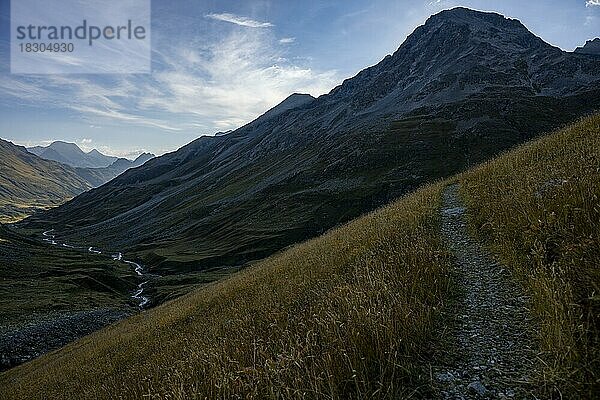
{"type": "Point", "coordinates": [233, 81]}
{"type": "Point", "coordinates": [212, 87]}
{"type": "Point", "coordinates": [591, 3]}
{"type": "Point", "coordinates": [589, 20]}
{"type": "Point", "coordinates": [287, 40]}
{"type": "Point", "coordinates": [239, 20]}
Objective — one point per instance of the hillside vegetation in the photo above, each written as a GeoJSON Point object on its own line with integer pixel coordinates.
{"type": "Point", "coordinates": [539, 208]}
{"type": "Point", "coordinates": [29, 183]}
{"type": "Point", "coordinates": [356, 313]}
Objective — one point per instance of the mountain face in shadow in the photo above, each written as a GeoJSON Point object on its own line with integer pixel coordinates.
{"type": "Point", "coordinates": [462, 88]}
{"type": "Point", "coordinates": [590, 47]}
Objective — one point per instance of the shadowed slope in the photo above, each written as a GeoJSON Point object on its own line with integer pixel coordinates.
{"type": "Point", "coordinates": [463, 87]}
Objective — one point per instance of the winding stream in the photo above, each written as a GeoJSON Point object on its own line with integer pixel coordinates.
{"type": "Point", "coordinates": [138, 294]}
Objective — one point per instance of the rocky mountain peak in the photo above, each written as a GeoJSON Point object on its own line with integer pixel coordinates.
{"type": "Point", "coordinates": [590, 47]}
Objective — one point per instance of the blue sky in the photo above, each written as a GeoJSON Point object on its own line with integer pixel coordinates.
{"type": "Point", "coordinates": [219, 64]}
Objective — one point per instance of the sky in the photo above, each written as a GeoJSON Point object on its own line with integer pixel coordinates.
{"type": "Point", "coordinates": [216, 65]}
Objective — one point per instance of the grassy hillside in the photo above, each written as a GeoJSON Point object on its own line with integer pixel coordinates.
{"type": "Point", "coordinates": [356, 312]}
{"type": "Point", "coordinates": [28, 183]}
{"type": "Point", "coordinates": [539, 208]}
{"type": "Point", "coordinates": [349, 313]}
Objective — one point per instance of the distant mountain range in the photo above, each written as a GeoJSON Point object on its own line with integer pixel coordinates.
{"type": "Point", "coordinates": [71, 154]}
{"type": "Point", "coordinates": [462, 88]}
{"type": "Point", "coordinates": [30, 182]}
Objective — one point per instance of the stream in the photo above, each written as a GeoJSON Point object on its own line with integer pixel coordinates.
{"type": "Point", "coordinates": [138, 294]}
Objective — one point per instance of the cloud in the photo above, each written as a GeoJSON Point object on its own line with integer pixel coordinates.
{"type": "Point", "coordinates": [589, 20]}
{"type": "Point", "coordinates": [201, 89]}
{"type": "Point", "coordinates": [591, 3]}
{"type": "Point", "coordinates": [231, 82]}
{"type": "Point", "coordinates": [287, 40]}
{"type": "Point", "coordinates": [239, 20]}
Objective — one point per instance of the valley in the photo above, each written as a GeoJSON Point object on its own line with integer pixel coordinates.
{"type": "Point", "coordinates": [429, 228]}
{"type": "Point", "coordinates": [51, 295]}
{"type": "Point", "coordinates": [370, 304]}
{"type": "Point", "coordinates": [30, 184]}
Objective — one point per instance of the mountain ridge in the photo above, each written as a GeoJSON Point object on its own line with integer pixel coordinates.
{"type": "Point", "coordinates": [72, 155]}
{"type": "Point", "coordinates": [591, 47]}
{"type": "Point", "coordinates": [455, 93]}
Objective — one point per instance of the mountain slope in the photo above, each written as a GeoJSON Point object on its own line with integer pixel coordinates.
{"type": "Point", "coordinates": [28, 182]}
{"type": "Point", "coordinates": [463, 87]}
{"type": "Point", "coordinates": [361, 312]}
{"type": "Point", "coordinates": [142, 159]}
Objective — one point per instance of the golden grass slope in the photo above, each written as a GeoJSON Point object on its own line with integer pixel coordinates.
{"type": "Point", "coordinates": [539, 208]}
{"type": "Point", "coordinates": [354, 313]}
{"type": "Point", "coordinates": [349, 314]}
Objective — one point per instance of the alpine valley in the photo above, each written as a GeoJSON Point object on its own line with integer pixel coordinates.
{"type": "Point", "coordinates": [394, 238]}
{"type": "Point", "coordinates": [462, 88]}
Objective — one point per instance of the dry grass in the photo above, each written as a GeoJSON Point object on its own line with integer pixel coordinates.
{"type": "Point", "coordinates": [539, 208]}
{"type": "Point", "coordinates": [348, 315]}
{"type": "Point", "coordinates": [353, 313]}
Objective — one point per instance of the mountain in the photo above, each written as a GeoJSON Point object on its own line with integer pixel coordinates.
{"type": "Point", "coordinates": [463, 87]}
{"type": "Point", "coordinates": [375, 308]}
{"type": "Point", "coordinates": [99, 160]}
{"type": "Point", "coordinates": [142, 159]}
{"type": "Point", "coordinates": [293, 101]}
{"type": "Point", "coordinates": [28, 182]}
{"type": "Point", "coordinates": [590, 47]}
{"type": "Point", "coordinates": [99, 176]}
{"type": "Point", "coordinates": [94, 166]}
{"type": "Point", "coordinates": [71, 154]}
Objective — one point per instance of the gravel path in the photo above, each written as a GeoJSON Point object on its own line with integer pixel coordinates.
{"type": "Point", "coordinates": [493, 351]}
